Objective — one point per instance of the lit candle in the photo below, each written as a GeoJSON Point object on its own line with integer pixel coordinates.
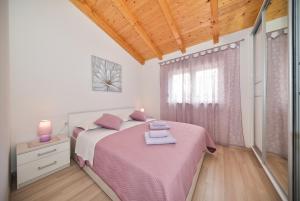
{"type": "Point", "coordinates": [142, 110]}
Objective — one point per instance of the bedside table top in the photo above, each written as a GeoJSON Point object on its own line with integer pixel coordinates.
{"type": "Point", "coordinates": [35, 144]}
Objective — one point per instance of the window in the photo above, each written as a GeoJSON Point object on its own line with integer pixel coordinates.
{"type": "Point", "coordinates": [180, 88]}
{"type": "Point", "coordinates": [204, 86]}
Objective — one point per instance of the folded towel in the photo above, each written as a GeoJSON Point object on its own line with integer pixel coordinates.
{"type": "Point", "coordinates": [159, 127]}
{"type": "Point", "coordinates": [159, 123]}
{"type": "Point", "coordinates": [159, 133]}
{"type": "Point", "coordinates": [160, 140]}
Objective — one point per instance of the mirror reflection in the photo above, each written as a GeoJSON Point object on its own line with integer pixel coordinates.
{"type": "Point", "coordinates": [277, 91]}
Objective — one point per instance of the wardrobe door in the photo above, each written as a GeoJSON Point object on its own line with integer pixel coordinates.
{"type": "Point", "coordinates": [296, 98]}
{"type": "Point", "coordinates": [259, 87]}
{"type": "Point", "coordinates": [277, 94]}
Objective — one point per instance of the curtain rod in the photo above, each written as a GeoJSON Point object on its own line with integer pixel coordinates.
{"type": "Point", "coordinates": [201, 51]}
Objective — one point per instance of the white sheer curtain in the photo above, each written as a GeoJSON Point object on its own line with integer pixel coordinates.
{"type": "Point", "coordinates": [204, 89]}
{"type": "Point", "coordinates": [277, 93]}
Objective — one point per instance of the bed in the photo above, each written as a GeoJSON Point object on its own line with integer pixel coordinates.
{"type": "Point", "coordinates": [127, 169]}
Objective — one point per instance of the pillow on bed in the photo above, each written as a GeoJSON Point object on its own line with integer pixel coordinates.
{"type": "Point", "coordinates": [109, 121]}
{"type": "Point", "coordinates": [88, 125]}
{"type": "Point", "coordinates": [138, 116]}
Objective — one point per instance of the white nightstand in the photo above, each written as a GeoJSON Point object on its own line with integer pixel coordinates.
{"type": "Point", "coordinates": [36, 160]}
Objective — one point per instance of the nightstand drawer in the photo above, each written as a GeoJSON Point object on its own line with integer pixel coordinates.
{"type": "Point", "coordinates": [43, 166]}
{"type": "Point", "coordinates": [41, 153]}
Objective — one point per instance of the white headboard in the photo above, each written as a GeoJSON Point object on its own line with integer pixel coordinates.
{"type": "Point", "coordinates": [75, 118]}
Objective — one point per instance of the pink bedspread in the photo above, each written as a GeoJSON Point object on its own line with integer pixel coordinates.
{"type": "Point", "coordinates": [139, 172]}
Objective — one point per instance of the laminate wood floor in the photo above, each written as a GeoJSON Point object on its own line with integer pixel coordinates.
{"type": "Point", "coordinates": [279, 168]}
{"type": "Point", "coordinates": [231, 174]}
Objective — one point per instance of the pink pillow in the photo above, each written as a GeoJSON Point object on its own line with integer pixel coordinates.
{"type": "Point", "coordinates": [138, 116]}
{"type": "Point", "coordinates": [109, 121]}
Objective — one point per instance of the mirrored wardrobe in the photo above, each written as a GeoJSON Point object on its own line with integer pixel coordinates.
{"type": "Point", "coordinates": [272, 92]}
{"type": "Point", "coordinates": [277, 95]}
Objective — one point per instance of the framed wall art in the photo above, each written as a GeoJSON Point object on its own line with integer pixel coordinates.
{"type": "Point", "coordinates": [106, 75]}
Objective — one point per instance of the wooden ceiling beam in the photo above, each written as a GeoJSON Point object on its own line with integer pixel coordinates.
{"type": "Point", "coordinates": [132, 19]}
{"type": "Point", "coordinates": [172, 25]}
{"type": "Point", "coordinates": [86, 9]}
{"type": "Point", "coordinates": [93, 7]}
{"type": "Point", "coordinates": [215, 20]}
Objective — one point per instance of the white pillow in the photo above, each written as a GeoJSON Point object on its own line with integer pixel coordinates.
{"type": "Point", "coordinates": [124, 114]}
{"type": "Point", "coordinates": [88, 125]}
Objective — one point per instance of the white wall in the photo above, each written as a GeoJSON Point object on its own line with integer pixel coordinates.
{"type": "Point", "coordinates": [51, 44]}
{"type": "Point", "coordinates": [278, 23]}
{"type": "Point", "coordinates": [151, 79]}
{"type": "Point", "coordinates": [4, 102]}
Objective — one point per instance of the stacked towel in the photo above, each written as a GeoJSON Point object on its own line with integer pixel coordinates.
{"type": "Point", "coordinates": [159, 133]}
{"type": "Point", "coordinates": [159, 125]}
{"type": "Point", "coordinates": [159, 140]}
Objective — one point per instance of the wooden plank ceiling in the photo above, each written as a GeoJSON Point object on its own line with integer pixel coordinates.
{"type": "Point", "coordinates": [151, 28]}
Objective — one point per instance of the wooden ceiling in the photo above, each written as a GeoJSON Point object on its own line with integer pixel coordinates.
{"type": "Point", "coordinates": [152, 28]}
{"type": "Point", "coordinates": [276, 9]}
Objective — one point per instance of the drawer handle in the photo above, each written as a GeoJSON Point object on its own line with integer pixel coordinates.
{"type": "Point", "coordinates": [45, 166]}
{"type": "Point", "coordinates": [47, 152]}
